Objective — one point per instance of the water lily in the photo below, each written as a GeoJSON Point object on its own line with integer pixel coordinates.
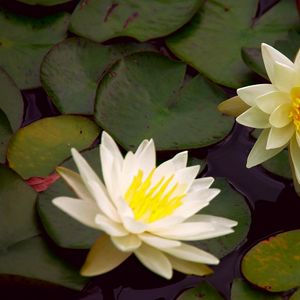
{"type": "Point", "coordinates": [143, 210]}
{"type": "Point", "coordinates": [274, 108]}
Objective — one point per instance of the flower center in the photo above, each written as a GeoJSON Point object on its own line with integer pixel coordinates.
{"type": "Point", "coordinates": [295, 110]}
{"type": "Point", "coordinates": [152, 202]}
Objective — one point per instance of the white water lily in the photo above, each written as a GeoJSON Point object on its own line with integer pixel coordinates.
{"type": "Point", "coordinates": [144, 210]}
{"type": "Point", "coordinates": [275, 108]}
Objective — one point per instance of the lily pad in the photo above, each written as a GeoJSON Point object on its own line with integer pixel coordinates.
{"type": "Point", "coordinates": [44, 2]}
{"type": "Point", "coordinates": [274, 264]}
{"type": "Point", "coordinates": [22, 250]}
{"type": "Point", "coordinates": [38, 148]}
{"type": "Point", "coordinates": [64, 230]}
{"type": "Point", "coordinates": [148, 98]}
{"type": "Point", "coordinates": [240, 290]}
{"type": "Point", "coordinates": [11, 101]}
{"type": "Point", "coordinates": [289, 46]}
{"type": "Point", "coordinates": [229, 204]}
{"type": "Point", "coordinates": [100, 20]}
{"type": "Point", "coordinates": [24, 41]}
{"type": "Point", "coordinates": [71, 71]}
{"type": "Point", "coordinates": [32, 258]}
{"type": "Point", "coordinates": [5, 135]}
{"type": "Point", "coordinates": [203, 291]}
{"type": "Point", "coordinates": [295, 296]}
{"type": "Point", "coordinates": [212, 42]}
{"type": "Point", "coordinates": [17, 209]}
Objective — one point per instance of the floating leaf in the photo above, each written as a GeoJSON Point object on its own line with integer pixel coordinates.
{"type": "Point", "coordinates": [147, 98]}
{"type": "Point", "coordinates": [38, 148]}
{"type": "Point", "coordinates": [193, 161]}
{"type": "Point", "coordinates": [240, 290]}
{"type": "Point", "coordinates": [22, 251]}
{"type": "Point", "coordinates": [229, 204]}
{"type": "Point", "coordinates": [63, 229]}
{"type": "Point", "coordinates": [274, 264]}
{"type": "Point", "coordinates": [212, 42]}
{"type": "Point", "coordinates": [289, 46]}
{"type": "Point", "coordinates": [44, 2]}
{"type": "Point", "coordinates": [202, 291]}
{"type": "Point", "coordinates": [5, 135]}
{"type": "Point", "coordinates": [100, 20]}
{"type": "Point", "coordinates": [233, 106]}
{"type": "Point", "coordinates": [295, 296]}
{"type": "Point", "coordinates": [11, 101]}
{"type": "Point", "coordinates": [23, 43]}
{"type": "Point", "coordinates": [17, 209]}
{"type": "Point", "coordinates": [71, 71]}
{"type": "Point", "coordinates": [32, 258]}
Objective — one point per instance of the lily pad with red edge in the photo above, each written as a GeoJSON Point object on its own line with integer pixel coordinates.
{"type": "Point", "coordinates": [71, 71]}
{"type": "Point", "coordinates": [212, 41]}
{"type": "Point", "coordinates": [240, 290]}
{"type": "Point", "coordinates": [5, 135]}
{"type": "Point", "coordinates": [25, 41]}
{"type": "Point", "coordinates": [274, 264]}
{"type": "Point", "coordinates": [100, 20]}
{"type": "Point", "coordinates": [232, 205]}
{"type": "Point", "coordinates": [148, 98]}
{"type": "Point", "coordinates": [36, 150]}
{"type": "Point", "coordinates": [11, 101]}
{"type": "Point", "coordinates": [202, 291]}
{"type": "Point", "coordinates": [63, 229]}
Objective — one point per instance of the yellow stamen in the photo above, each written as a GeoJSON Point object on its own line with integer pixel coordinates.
{"type": "Point", "coordinates": [295, 110]}
{"type": "Point", "coordinates": [152, 203]}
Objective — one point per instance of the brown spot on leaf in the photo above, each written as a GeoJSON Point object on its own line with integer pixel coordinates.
{"type": "Point", "coordinates": [130, 19]}
{"type": "Point", "coordinates": [110, 10]}
{"type": "Point", "coordinates": [84, 4]}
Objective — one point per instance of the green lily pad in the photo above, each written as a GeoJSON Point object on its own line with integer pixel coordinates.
{"type": "Point", "coordinates": [274, 264]}
{"type": "Point", "coordinates": [100, 20]}
{"type": "Point", "coordinates": [229, 204]}
{"type": "Point", "coordinates": [289, 46]}
{"type": "Point", "coordinates": [11, 101]}
{"type": "Point", "coordinates": [203, 291]}
{"type": "Point", "coordinates": [212, 42]}
{"type": "Point", "coordinates": [38, 148]}
{"type": "Point", "coordinates": [253, 59]}
{"type": "Point", "coordinates": [64, 230]}
{"type": "Point", "coordinates": [24, 41]}
{"type": "Point", "coordinates": [44, 2]}
{"type": "Point", "coordinates": [32, 258]}
{"type": "Point", "coordinates": [279, 165]}
{"type": "Point", "coordinates": [5, 135]}
{"type": "Point", "coordinates": [71, 71]}
{"type": "Point", "coordinates": [193, 161]}
{"type": "Point", "coordinates": [295, 296]}
{"type": "Point", "coordinates": [17, 209]}
{"type": "Point", "coordinates": [240, 290]}
{"type": "Point", "coordinates": [22, 251]}
{"type": "Point", "coordinates": [148, 98]}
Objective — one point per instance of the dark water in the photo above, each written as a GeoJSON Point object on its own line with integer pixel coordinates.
{"type": "Point", "coordinates": [275, 207]}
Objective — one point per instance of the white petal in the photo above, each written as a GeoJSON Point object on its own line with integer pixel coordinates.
{"type": "Point", "coordinates": [147, 158]}
{"type": "Point", "coordinates": [134, 226]}
{"type": "Point", "coordinates": [164, 223]}
{"type": "Point", "coordinates": [81, 210]}
{"type": "Point", "coordinates": [154, 260]}
{"type": "Point", "coordinates": [271, 56]}
{"type": "Point", "coordinates": [297, 63]}
{"type": "Point", "coordinates": [185, 230]}
{"type": "Point", "coordinates": [186, 176]}
{"type": "Point", "coordinates": [259, 153]}
{"type": "Point", "coordinates": [212, 219]}
{"type": "Point", "coordinates": [141, 147]}
{"type": "Point", "coordinates": [191, 253]}
{"type": "Point", "coordinates": [280, 116]}
{"type": "Point", "coordinates": [189, 267]}
{"type": "Point", "coordinates": [110, 227]}
{"type": "Point", "coordinates": [279, 137]}
{"type": "Point", "coordinates": [103, 257]}
{"type": "Point", "coordinates": [194, 202]}
{"type": "Point", "coordinates": [298, 138]}
{"type": "Point", "coordinates": [75, 182]}
{"type": "Point", "coordinates": [284, 77]}
{"type": "Point", "coordinates": [254, 117]}
{"type": "Point", "coordinates": [269, 102]}
{"type": "Point", "coordinates": [127, 243]}
{"type": "Point", "coordinates": [295, 156]}
{"type": "Point", "coordinates": [201, 184]}
{"type": "Point", "coordinates": [158, 242]}
{"type": "Point", "coordinates": [249, 93]}
{"type": "Point", "coordinates": [103, 201]}
{"type": "Point", "coordinates": [109, 143]}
